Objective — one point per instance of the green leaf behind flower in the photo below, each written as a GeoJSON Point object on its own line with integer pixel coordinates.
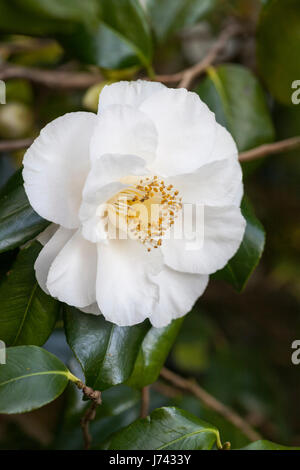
{"type": "Point", "coordinates": [31, 378]}
{"type": "Point", "coordinates": [27, 314]}
{"type": "Point", "coordinates": [240, 267]}
{"type": "Point", "coordinates": [18, 221]}
{"type": "Point", "coordinates": [106, 352]}
{"type": "Point", "coordinates": [236, 97]}
{"type": "Point", "coordinates": [153, 354]}
{"type": "Point", "coordinates": [166, 428]}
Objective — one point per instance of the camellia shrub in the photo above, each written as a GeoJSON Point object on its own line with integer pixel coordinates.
{"type": "Point", "coordinates": [134, 136]}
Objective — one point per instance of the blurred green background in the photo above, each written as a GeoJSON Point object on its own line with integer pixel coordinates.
{"type": "Point", "coordinates": [237, 345]}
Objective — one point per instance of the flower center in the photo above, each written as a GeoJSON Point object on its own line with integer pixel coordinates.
{"type": "Point", "coordinates": [145, 210]}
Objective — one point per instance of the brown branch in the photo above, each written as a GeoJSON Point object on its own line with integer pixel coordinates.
{"type": "Point", "coordinates": [268, 149]}
{"type": "Point", "coordinates": [187, 76]}
{"type": "Point", "coordinates": [167, 390]}
{"type": "Point", "coordinates": [145, 400]}
{"type": "Point", "coordinates": [88, 416]}
{"type": "Point", "coordinates": [11, 145]}
{"type": "Point", "coordinates": [51, 78]}
{"type": "Point", "coordinates": [90, 413]}
{"type": "Point", "coordinates": [211, 402]}
{"type": "Point", "coordinates": [169, 78]}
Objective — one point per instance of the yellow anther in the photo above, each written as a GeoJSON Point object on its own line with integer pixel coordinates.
{"type": "Point", "coordinates": [150, 223]}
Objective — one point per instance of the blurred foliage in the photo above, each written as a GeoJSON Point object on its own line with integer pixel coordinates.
{"type": "Point", "coordinates": [28, 315]}
{"type": "Point", "coordinates": [238, 346]}
{"type": "Point", "coordinates": [237, 99]}
{"type": "Point", "coordinates": [18, 221]}
{"type": "Point", "coordinates": [16, 121]}
{"type": "Point", "coordinates": [169, 16]}
{"type": "Point", "coordinates": [278, 60]}
{"type": "Point", "coordinates": [242, 264]}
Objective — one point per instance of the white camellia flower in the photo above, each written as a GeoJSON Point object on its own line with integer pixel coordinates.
{"type": "Point", "coordinates": [97, 177]}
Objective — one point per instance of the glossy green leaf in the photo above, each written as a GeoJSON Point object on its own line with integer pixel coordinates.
{"type": "Point", "coordinates": [27, 314]}
{"type": "Point", "coordinates": [240, 267]}
{"type": "Point", "coordinates": [106, 352]}
{"type": "Point", "coordinates": [267, 445]}
{"type": "Point", "coordinates": [18, 221]}
{"type": "Point", "coordinates": [278, 39]}
{"type": "Point", "coordinates": [166, 429]}
{"type": "Point", "coordinates": [228, 431]}
{"type": "Point", "coordinates": [100, 46]}
{"type": "Point", "coordinates": [127, 19]}
{"type": "Point", "coordinates": [31, 378]}
{"type": "Point", "coordinates": [153, 353]}
{"type": "Point", "coordinates": [234, 94]}
{"type": "Point", "coordinates": [169, 16]}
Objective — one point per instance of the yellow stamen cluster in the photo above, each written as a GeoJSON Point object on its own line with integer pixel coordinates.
{"type": "Point", "coordinates": [148, 209]}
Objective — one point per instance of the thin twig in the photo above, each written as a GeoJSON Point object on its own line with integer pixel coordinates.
{"type": "Point", "coordinates": [187, 76]}
{"type": "Point", "coordinates": [145, 400]}
{"type": "Point", "coordinates": [268, 149]}
{"type": "Point", "coordinates": [11, 145]}
{"type": "Point", "coordinates": [51, 78]}
{"type": "Point", "coordinates": [167, 390]}
{"type": "Point", "coordinates": [88, 416]}
{"type": "Point", "coordinates": [90, 413]}
{"type": "Point", "coordinates": [170, 78]}
{"type": "Point", "coordinates": [211, 402]}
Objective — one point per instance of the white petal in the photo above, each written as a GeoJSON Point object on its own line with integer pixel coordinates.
{"type": "Point", "coordinates": [186, 131]}
{"type": "Point", "coordinates": [101, 184]}
{"type": "Point", "coordinates": [72, 275]}
{"type": "Point", "coordinates": [216, 184]}
{"type": "Point", "coordinates": [130, 93]}
{"type": "Point", "coordinates": [109, 169]}
{"type": "Point", "coordinates": [223, 232]}
{"type": "Point", "coordinates": [56, 166]}
{"type": "Point", "coordinates": [92, 309]}
{"type": "Point", "coordinates": [93, 223]}
{"type": "Point", "coordinates": [48, 233]}
{"type": "Point", "coordinates": [125, 292]}
{"type": "Point", "coordinates": [177, 294]}
{"type": "Point", "coordinates": [239, 195]}
{"type": "Point", "coordinates": [224, 145]}
{"type": "Point", "coordinates": [124, 130]}
{"type": "Point", "coordinates": [48, 254]}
